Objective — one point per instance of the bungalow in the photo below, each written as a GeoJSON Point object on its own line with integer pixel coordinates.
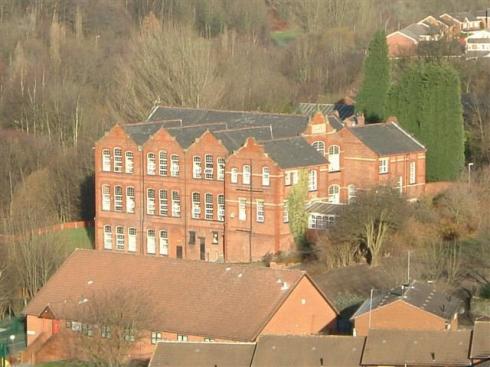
{"type": "Point", "coordinates": [418, 306]}
{"type": "Point", "coordinates": [194, 301]}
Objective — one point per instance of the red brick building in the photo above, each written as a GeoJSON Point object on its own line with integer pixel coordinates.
{"type": "Point", "coordinates": [213, 185]}
{"type": "Point", "coordinates": [192, 300]}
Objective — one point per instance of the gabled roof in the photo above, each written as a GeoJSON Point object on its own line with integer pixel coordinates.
{"type": "Point", "coordinates": [462, 16]}
{"type": "Point", "coordinates": [293, 152]}
{"type": "Point", "coordinates": [480, 344]}
{"type": "Point", "coordinates": [419, 294]}
{"type": "Point", "coordinates": [283, 125]}
{"type": "Point", "coordinates": [415, 31]}
{"type": "Point", "coordinates": [386, 138]}
{"type": "Point", "coordinates": [417, 348]}
{"type": "Point", "coordinates": [222, 301]}
{"type": "Point", "coordinates": [141, 132]}
{"type": "Point", "coordinates": [308, 351]}
{"type": "Point", "coordinates": [178, 354]}
{"type": "Point", "coordinates": [344, 110]}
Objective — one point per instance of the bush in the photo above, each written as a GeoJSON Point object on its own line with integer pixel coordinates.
{"type": "Point", "coordinates": [485, 291]}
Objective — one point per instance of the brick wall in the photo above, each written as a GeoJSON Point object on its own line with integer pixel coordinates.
{"type": "Point", "coordinates": [399, 45]}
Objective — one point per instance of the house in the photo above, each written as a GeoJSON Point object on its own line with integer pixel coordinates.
{"type": "Point", "coordinates": [465, 21]}
{"type": "Point", "coordinates": [417, 348]}
{"type": "Point", "coordinates": [405, 41]}
{"type": "Point", "coordinates": [484, 17]}
{"type": "Point", "coordinates": [478, 44]}
{"type": "Point", "coordinates": [418, 306]}
{"type": "Point", "coordinates": [194, 301]}
{"type": "Point", "coordinates": [202, 354]}
{"type": "Point", "coordinates": [480, 344]}
{"type": "Point", "coordinates": [213, 185]}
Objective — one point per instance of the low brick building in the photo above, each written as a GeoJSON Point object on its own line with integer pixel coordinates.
{"type": "Point", "coordinates": [418, 306]}
{"type": "Point", "coordinates": [213, 185]}
{"type": "Point", "coordinates": [193, 300]}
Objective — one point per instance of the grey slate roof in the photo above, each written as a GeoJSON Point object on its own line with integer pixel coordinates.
{"type": "Point", "coordinates": [293, 152]}
{"type": "Point", "coordinates": [234, 139]}
{"type": "Point", "coordinates": [417, 348]}
{"type": "Point", "coordinates": [178, 354]}
{"type": "Point", "coordinates": [415, 31]}
{"type": "Point", "coordinates": [386, 138]}
{"type": "Point", "coordinates": [283, 125]}
{"type": "Point", "coordinates": [419, 294]}
{"type": "Point", "coordinates": [323, 207]}
{"type": "Point", "coordinates": [141, 132]}
{"type": "Point", "coordinates": [463, 15]}
{"type": "Point", "coordinates": [308, 351]}
{"type": "Point", "coordinates": [344, 110]}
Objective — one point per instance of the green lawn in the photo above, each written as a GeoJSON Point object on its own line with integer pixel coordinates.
{"type": "Point", "coordinates": [79, 237]}
{"type": "Point", "coordinates": [282, 38]}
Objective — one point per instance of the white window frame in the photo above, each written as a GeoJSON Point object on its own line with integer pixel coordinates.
{"type": "Point", "coordinates": [150, 241]}
{"type": "Point", "coordinates": [351, 193]}
{"type": "Point", "coordinates": [260, 211]}
{"type": "Point", "coordinates": [107, 237]}
{"type": "Point", "coordinates": [384, 165]}
{"type": "Point", "coordinates": [176, 209]}
{"type": "Point", "coordinates": [333, 158]}
{"type": "Point", "coordinates": [319, 146]}
{"type": "Point", "coordinates": [221, 207]}
{"type": "Point", "coordinates": [106, 160]}
{"type": "Point", "coordinates": [196, 167]}
{"type": "Point", "coordinates": [118, 198]}
{"type": "Point", "coordinates": [132, 239]}
{"type": "Point", "coordinates": [151, 164]}
{"type": "Point", "coordinates": [106, 198]}
{"type": "Point", "coordinates": [163, 203]}
{"type": "Point", "coordinates": [246, 174]}
{"type": "Point", "coordinates": [291, 178]}
{"type": "Point", "coordinates": [285, 212]}
{"type": "Point", "coordinates": [120, 238]}
{"type": "Point", "coordinates": [334, 194]}
{"type": "Point", "coordinates": [156, 337]}
{"type": "Point", "coordinates": [234, 175]}
{"type": "Point", "coordinates": [412, 173]}
{"type": "Point", "coordinates": [399, 185]}
{"type": "Point", "coordinates": [242, 209]}
{"type": "Point", "coordinates": [208, 206]}
{"type": "Point", "coordinates": [163, 239]}
{"type": "Point", "coordinates": [221, 163]}
{"type": "Point", "coordinates": [150, 201]}
{"type": "Point", "coordinates": [320, 221]}
{"type": "Point", "coordinates": [182, 338]}
{"type": "Point", "coordinates": [266, 176]}
{"type": "Point", "coordinates": [208, 167]}
{"type": "Point", "coordinates": [174, 165]}
{"type": "Point", "coordinates": [196, 205]}
{"type": "Point", "coordinates": [130, 199]}
{"type": "Point", "coordinates": [118, 160]}
{"type": "Point", "coordinates": [162, 163]}
{"type": "Point", "coordinates": [313, 180]}
{"type": "Point", "coordinates": [129, 162]}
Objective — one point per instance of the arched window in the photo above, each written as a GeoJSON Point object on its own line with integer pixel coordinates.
{"type": "Point", "coordinates": [234, 175]}
{"type": "Point", "coordinates": [118, 160]}
{"type": "Point", "coordinates": [312, 180]}
{"type": "Point", "coordinates": [351, 193]}
{"type": "Point", "coordinates": [106, 160]}
{"type": "Point", "coordinates": [334, 158]}
{"type": "Point", "coordinates": [162, 163]}
{"type": "Point", "coordinates": [163, 242]}
{"type": "Point", "coordinates": [319, 146]}
{"type": "Point", "coordinates": [334, 194]}
{"type": "Point", "coordinates": [221, 169]}
{"type": "Point", "coordinates": [266, 176]}
{"type": "Point", "coordinates": [196, 205]}
{"type": "Point", "coordinates": [118, 198]}
{"type": "Point", "coordinates": [106, 197]}
{"type": "Point", "coordinates": [246, 175]}
{"type": "Point", "coordinates": [131, 239]}
{"type": "Point", "coordinates": [150, 202]}
{"type": "Point", "coordinates": [221, 208]}
{"type": "Point", "coordinates": [150, 164]}
{"type": "Point", "coordinates": [129, 163]}
{"type": "Point", "coordinates": [196, 167]}
{"type": "Point", "coordinates": [120, 238]}
{"type": "Point", "coordinates": [150, 241]}
{"type": "Point", "coordinates": [107, 237]}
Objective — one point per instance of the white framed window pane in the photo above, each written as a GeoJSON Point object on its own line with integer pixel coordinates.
{"type": "Point", "coordinates": [334, 194]}
{"type": "Point", "coordinates": [196, 205]}
{"type": "Point", "coordinates": [221, 208]}
{"type": "Point", "coordinates": [106, 160]}
{"type": "Point", "coordinates": [320, 147]}
{"type": "Point", "coordinates": [106, 197]}
{"type": "Point", "coordinates": [107, 237]}
{"type": "Point", "coordinates": [130, 201]}
{"type": "Point", "coordinates": [234, 175]}
{"type": "Point", "coordinates": [118, 198]}
{"type": "Point", "coordinates": [266, 176]}
{"type": "Point", "coordinates": [209, 167]}
{"type": "Point", "coordinates": [118, 160]}
{"type": "Point", "coordinates": [196, 167]}
{"type": "Point", "coordinates": [163, 208]}
{"type": "Point", "coordinates": [312, 180]}
{"type": "Point", "coordinates": [150, 241]}
{"type": "Point", "coordinates": [120, 238]}
{"type": "Point", "coordinates": [334, 158]}
{"type": "Point", "coordinates": [242, 207]}
{"type": "Point", "coordinates": [413, 173]}
{"type": "Point", "coordinates": [129, 163]}
{"type": "Point", "coordinates": [285, 212]}
{"type": "Point", "coordinates": [150, 164]}
{"type": "Point", "coordinates": [221, 169]}
{"type": "Point", "coordinates": [162, 163]}
{"type": "Point", "coordinates": [208, 209]}
{"type": "Point", "coordinates": [175, 204]}
{"type": "Point", "coordinates": [174, 166]}
{"type": "Point", "coordinates": [132, 239]}
{"type": "Point", "coordinates": [383, 165]}
{"type": "Point", "coordinates": [246, 175]}
{"type": "Point", "coordinates": [163, 242]}
{"type": "Point", "coordinates": [351, 193]}
{"type": "Point", "coordinates": [260, 217]}
{"type": "Point", "coordinates": [150, 202]}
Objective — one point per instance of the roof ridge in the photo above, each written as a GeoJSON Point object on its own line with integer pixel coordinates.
{"type": "Point", "coordinates": [233, 111]}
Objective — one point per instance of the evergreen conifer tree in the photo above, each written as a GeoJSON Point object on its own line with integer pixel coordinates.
{"type": "Point", "coordinates": [427, 103]}
{"type": "Point", "coordinates": [371, 99]}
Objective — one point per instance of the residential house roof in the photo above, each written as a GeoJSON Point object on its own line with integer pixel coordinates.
{"type": "Point", "coordinates": [344, 110]}
{"type": "Point", "coordinates": [463, 16]}
{"type": "Point", "coordinates": [178, 354]}
{"type": "Point", "coordinates": [231, 302]}
{"type": "Point", "coordinates": [419, 294]}
{"type": "Point", "coordinates": [480, 345]}
{"type": "Point", "coordinates": [386, 138]}
{"type": "Point", "coordinates": [308, 351]}
{"type": "Point", "coordinates": [293, 152]}
{"type": "Point", "coordinates": [420, 348]}
{"type": "Point", "coordinates": [483, 13]}
{"type": "Point", "coordinates": [415, 31]}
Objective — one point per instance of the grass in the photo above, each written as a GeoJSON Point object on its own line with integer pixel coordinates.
{"type": "Point", "coordinates": [282, 38]}
{"type": "Point", "coordinates": [78, 237]}
{"type": "Point", "coordinates": [62, 364]}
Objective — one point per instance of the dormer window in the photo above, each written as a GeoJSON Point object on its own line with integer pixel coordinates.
{"type": "Point", "coordinates": [319, 146]}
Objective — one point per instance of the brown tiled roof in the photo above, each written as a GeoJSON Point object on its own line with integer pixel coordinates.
{"type": "Point", "coordinates": [306, 351]}
{"type": "Point", "coordinates": [480, 344]}
{"type": "Point", "coordinates": [222, 301]}
{"type": "Point", "coordinates": [421, 348]}
{"type": "Point", "coordinates": [178, 354]}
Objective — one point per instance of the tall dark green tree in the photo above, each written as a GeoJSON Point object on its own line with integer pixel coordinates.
{"type": "Point", "coordinates": [427, 103]}
{"type": "Point", "coordinates": [371, 99]}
